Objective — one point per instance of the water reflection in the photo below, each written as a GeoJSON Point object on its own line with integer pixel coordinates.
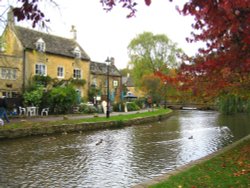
{"type": "Point", "coordinates": [199, 138]}
{"type": "Point", "coordinates": [123, 158]}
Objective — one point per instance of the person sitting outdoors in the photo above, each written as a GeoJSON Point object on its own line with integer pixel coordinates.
{"type": "Point", "coordinates": [3, 107]}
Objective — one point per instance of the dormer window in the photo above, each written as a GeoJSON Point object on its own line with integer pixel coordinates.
{"type": "Point", "coordinates": [77, 52]}
{"type": "Point", "coordinates": [40, 45]}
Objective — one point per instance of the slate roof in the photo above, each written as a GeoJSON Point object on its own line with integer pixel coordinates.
{"type": "Point", "coordinates": [128, 81]}
{"type": "Point", "coordinates": [54, 44]}
{"type": "Point", "coordinates": [101, 69]}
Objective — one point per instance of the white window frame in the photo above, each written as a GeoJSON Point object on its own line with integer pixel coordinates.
{"type": "Point", "coordinates": [94, 82]}
{"type": "Point", "coordinates": [77, 52]}
{"type": "Point", "coordinates": [8, 73]}
{"type": "Point", "coordinates": [39, 70]}
{"type": "Point", "coordinates": [60, 72]}
{"type": "Point", "coordinates": [40, 45]}
{"type": "Point", "coordinates": [115, 83]}
{"type": "Point", "coordinates": [77, 73]}
{"type": "Point", "coordinates": [10, 94]}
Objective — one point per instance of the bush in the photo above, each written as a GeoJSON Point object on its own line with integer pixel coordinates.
{"type": "Point", "coordinates": [132, 106]}
{"type": "Point", "coordinates": [87, 109]}
{"type": "Point", "coordinates": [61, 99]}
{"type": "Point", "coordinates": [140, 102]}
{"type": "Point", "coordinates": [230, 104]}
{"type": "Point", "coordinates": [118, 107]}
{"type": "Point", "coordinates": [33, 97]}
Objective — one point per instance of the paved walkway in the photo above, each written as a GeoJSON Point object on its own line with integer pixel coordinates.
{"type": "Point", "coordinates": [69, 116]}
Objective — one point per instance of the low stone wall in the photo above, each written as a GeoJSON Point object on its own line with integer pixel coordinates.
{"type": "Point", "coordinates": [67, 128]}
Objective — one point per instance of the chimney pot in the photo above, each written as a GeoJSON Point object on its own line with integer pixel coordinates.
{"type": "Point", "coordinates": [74, 32]}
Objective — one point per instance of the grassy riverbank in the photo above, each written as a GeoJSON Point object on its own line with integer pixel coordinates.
{"type": "Point", "coordinates": [119, 118]}
{"type": "Point", "coordinates": [230, 169]}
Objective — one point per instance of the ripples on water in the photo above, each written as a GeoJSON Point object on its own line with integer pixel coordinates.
{"type": "Point", "coordinates": [124, 158]}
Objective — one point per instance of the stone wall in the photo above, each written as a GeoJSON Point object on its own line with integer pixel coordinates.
{"type": "Point", "coordinates": [67, 128]}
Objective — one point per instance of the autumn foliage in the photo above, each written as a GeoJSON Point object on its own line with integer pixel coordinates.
{"type": "Point", "coordinates": [224, 66]}
{"type": "Point", "coordinates": [29, 10]}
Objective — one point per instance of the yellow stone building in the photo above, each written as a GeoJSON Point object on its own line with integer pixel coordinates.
{"type": "Point", "coordinates": [25, 53]}
{"type": "Point", "coordinates": [98, 80]}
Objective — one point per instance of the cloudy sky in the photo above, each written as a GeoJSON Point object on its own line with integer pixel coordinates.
{"type": "Point", "coordinates": [103, 34]}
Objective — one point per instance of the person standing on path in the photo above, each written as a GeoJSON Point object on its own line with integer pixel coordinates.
{"type": "Point", "coordinates": [3, 107]}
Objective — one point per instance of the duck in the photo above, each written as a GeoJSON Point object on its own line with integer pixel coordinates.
{"type": "Point", "coordinates": [191, 137]}
{"type": "Point", "coordinates": [98, 143]}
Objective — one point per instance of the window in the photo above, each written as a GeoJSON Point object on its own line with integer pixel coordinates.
{"type": "Point", "coordinates": [10, 94]}
{"type": "Point", "coordinates": [41, 70]}
{"type": "Point", "coordinates": [8, 73]}
{"type": "Point", "coordinates": [106, 83]}
{"type": "Point", "coordinates": [60, 72]}
{"type": "Point", "coordinates": [40, 45]}
{"type": "Point", "coordinates": [115, 83]}
{"type": "Point", "coordinates": [77, 74]}
{"type": "Point", "coordinates": [94, 83]}
{"type": "Point", "coordinates": [77, 52]}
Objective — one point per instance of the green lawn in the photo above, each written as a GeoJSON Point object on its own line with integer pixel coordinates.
{"type": "Point", "coordinates": [124, 117]}
{"type": "Point", "coordinates": [228, 170]}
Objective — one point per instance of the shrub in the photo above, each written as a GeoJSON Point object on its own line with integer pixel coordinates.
{"type": "Point", "coordinates": [140, 102]}
{"type": "Point", "coordinates": [132, 106]}
{"type": "Point", "coordinates": [61, 99]}
{"type": "Point", "coordinates": [87, 109]}
{"type": "Point", "coordinates": [33, 97]}
{"type": "Point", "coordinates": [230, 104]}
{"type": "Point", "coordinates": [42, 80]}
{"type": "Point", "coordinates": [118, 107]}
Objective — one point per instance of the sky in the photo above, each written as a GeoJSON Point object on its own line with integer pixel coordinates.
{"type": "Point", "coordinates": [107, 34]}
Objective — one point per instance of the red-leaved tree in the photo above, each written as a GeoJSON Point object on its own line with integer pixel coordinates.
{"type": "Point", "coordinates": [224, 66]}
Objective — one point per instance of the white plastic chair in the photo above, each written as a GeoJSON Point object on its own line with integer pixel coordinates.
{"type": "Point", "coordinates": [31, 111]}
{"type": "Point", "coordinates": [45, 111]}
{"type": "Point", "coordinates": [22, 111]}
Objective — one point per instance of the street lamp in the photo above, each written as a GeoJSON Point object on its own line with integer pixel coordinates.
{"type": "Point", "coordinates": [165, 101]}
{"type": "Point", "coordinates": [108, 61]}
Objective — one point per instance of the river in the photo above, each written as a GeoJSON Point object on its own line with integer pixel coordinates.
{"type": "Point", "coordinates": [119, 157]}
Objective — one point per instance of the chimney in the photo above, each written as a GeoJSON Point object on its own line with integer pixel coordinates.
{"type": "Point", "coordinates": [10, 17]}
{"type": "Point", "coordinates": [112, 60]}
{"type": "Point", "coordinates": [74, 32]}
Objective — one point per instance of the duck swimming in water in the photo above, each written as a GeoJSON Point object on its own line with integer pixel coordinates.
{"type": "Point", "coordinates": [98, 143]}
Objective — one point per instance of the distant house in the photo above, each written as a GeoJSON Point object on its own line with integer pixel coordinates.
{"type": "Point", "coordinates": [98, 80]}
{"type": "Point", "coordinates": [132, 90]}
{"type": "Point", "coordinates": [25, 53]}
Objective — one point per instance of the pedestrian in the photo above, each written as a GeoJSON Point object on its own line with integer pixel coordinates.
{"type": "Point", "coordinates": [3, 107]}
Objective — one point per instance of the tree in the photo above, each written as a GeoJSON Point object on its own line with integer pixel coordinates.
{"type": "Point", "coordinates": [152, 83]}
{"type": "Point", "coordinates": [223, 67]}
{"type": "Point", "coordinates": [31, 10]}
{"type": "Point", "coordinates": [223, 25]}
{"type": "Point", "coordinates": [125, 71]}
{"type": "Point", "coordinates": [150, 53]}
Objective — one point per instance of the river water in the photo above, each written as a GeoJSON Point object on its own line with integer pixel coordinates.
{"type": "Point", "coordinates": [119, 157]}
